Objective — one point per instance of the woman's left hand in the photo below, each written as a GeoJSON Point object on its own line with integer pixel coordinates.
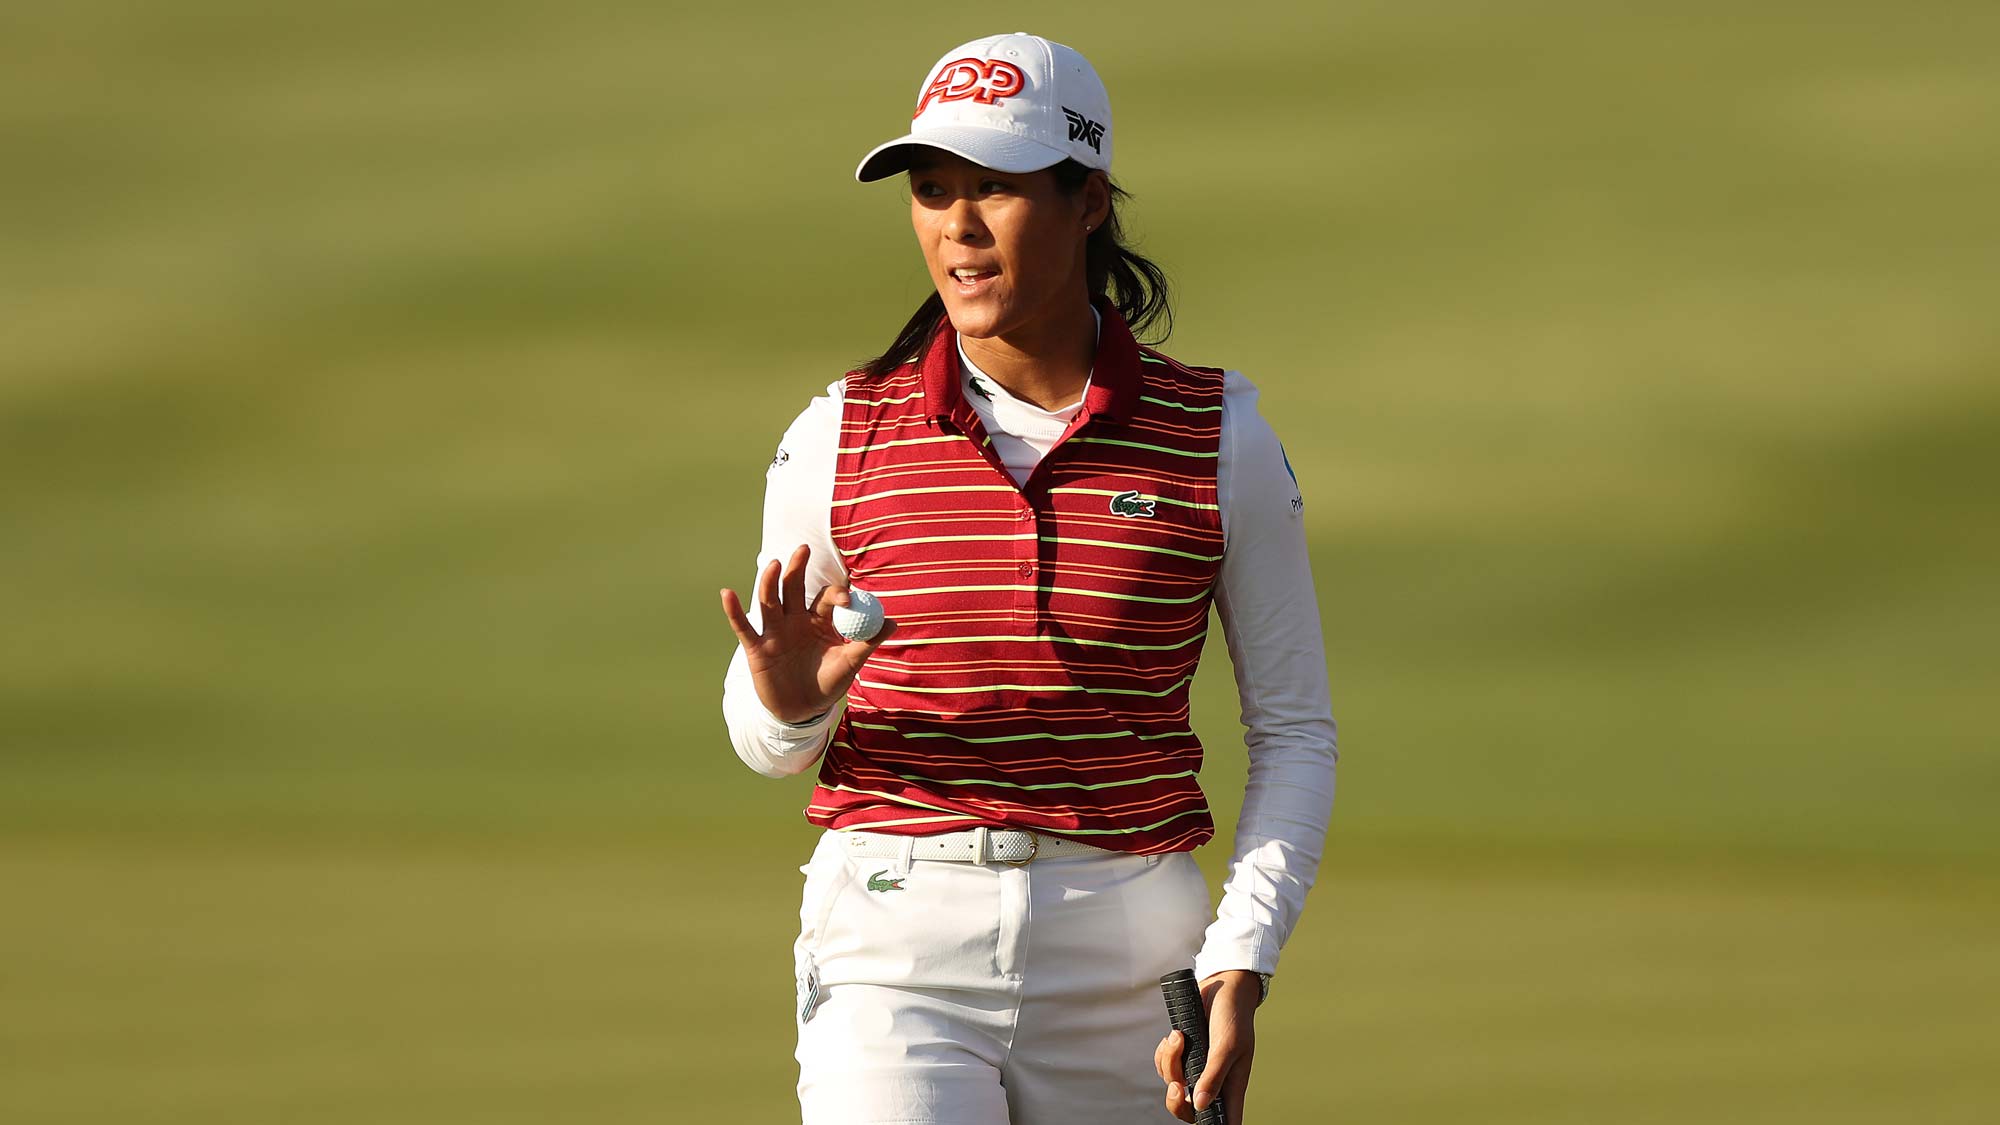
{"type": "Point", "coordinates": [1231, 999]}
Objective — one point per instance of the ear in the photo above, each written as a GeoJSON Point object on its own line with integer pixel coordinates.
{"type": "Point", "coordinates": [1096, 199]}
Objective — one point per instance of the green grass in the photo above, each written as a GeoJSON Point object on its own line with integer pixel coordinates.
{"type": "Point", "coordinates": [385, 393]}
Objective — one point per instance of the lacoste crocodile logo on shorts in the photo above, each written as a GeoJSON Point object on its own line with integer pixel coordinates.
{"type": "Point", "coordinates": [877, 883]}
{"type": "Point", "coordinates": [1132, 505]}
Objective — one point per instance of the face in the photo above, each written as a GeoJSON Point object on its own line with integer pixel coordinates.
{"type": "Point", "coordinates": [1002, 247]}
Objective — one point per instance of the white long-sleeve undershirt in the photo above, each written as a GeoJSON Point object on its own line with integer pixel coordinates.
{"type": "Point", "coordinates": [1264, 598]}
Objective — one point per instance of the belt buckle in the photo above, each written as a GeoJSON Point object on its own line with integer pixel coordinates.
{"type": "Point", "coordinates": [1034, 849]}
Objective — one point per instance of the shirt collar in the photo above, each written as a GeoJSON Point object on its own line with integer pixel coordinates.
{"type": "Point", "coordinates": [972, 370]}
{"type": "Point", "coordinates": [1113, 392]}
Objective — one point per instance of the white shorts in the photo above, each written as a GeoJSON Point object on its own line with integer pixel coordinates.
{"type": "Point", "coordinates": [966, 994]}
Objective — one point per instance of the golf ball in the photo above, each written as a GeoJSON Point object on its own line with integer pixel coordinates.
{"type": "Point", "coordinates": [860, 618]}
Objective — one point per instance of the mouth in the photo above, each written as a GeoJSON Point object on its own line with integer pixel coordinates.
{"type": "Point", "coordinates": [969, 279]}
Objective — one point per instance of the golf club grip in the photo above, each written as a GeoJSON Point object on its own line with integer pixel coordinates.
{"type": "Point", "coordinates": [1185, 1011]}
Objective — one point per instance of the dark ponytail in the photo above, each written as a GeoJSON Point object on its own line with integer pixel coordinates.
{"type": "Point", "coordinates": [911, 340]}
{"type": "Point", "coordinates": [1136, 284]}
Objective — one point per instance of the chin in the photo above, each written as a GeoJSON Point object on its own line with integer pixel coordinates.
{"type": "Point", "coordinates": [977, 319]}
{"type": "Point", "coordinates": [985, 309]}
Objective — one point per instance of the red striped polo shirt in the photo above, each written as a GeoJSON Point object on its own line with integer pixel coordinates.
{"type": "Point", "coordinates": [1047, 632]}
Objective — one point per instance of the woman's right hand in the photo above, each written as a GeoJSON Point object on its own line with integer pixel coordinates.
{"type": "Point", "coordinates": [800, 664]}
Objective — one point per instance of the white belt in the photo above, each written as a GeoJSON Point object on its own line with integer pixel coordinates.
{"type": "Point", "coordinates": [1012, 846]}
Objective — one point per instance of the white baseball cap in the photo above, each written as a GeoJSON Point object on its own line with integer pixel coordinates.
{"type": "Point", "coordinates": [1013, 103]}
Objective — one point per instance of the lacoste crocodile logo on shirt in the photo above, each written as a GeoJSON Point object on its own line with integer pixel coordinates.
{"type": "Point", "coordinates": [979, 389]}
{"type": "Point", "coordinates": [877, 883]}
{"type": "Point", "coordinates": [1132, 505]}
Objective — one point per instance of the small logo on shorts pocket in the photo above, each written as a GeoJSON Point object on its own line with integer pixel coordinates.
{"type": "Point", "coordinates": [808, 982]}
{"type": "Point", "coordinates": [877, 883]}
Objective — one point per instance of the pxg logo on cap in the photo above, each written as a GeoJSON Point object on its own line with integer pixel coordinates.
{"type": "Point", "coordinates": [1013, 103]}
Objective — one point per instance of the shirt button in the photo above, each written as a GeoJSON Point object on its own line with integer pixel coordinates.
{"type": "Point", "coordinates": [1025, 514]}
{"type": "Point", "coordinates": [1027, 568]}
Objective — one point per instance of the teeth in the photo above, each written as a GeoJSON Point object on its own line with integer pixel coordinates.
{"type": "Point", "coordinates": [964, 274]}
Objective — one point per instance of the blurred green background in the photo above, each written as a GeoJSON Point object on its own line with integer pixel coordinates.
{"type": "Point", "coordinates": [386, 389]}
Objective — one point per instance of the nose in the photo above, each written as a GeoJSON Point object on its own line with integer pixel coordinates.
{"type": "Point", "coordinates": [962, 223]}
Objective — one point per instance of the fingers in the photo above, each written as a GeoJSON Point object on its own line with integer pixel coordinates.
{"type": "Point", "coordinates": [1232, 1042]}
{"type": "Point", "coordinates": [1236, 1090]}
{"type": "Point", "coordinates": [820, 610]}
{"type": "Point", "coordinates": [768, 605]}
{"type": "Point", "coordinates": [739, 622]}
{"type": "Point", "coordinates": [1167, 1057]}
{"type": "Point", "coordinates": [823, 602]}
{"type": "Point", "coordinates": [1167, 1063]}
{"type": "Point", "coordinates": [1221, 1060]}
{"type": "Point", "coordinates": [795, 579]}
{"type": "Point", "coordinates": [781, 586]}
{"type": "Point", "coordinates": [856, 653]}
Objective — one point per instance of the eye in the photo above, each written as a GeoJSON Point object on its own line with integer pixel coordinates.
{"type": "Point", "coordinates": [926, 189]}
{"type": "Point", "coordinates": [989, 186]}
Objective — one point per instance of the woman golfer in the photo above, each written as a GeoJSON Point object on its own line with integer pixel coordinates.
{"type": "Point", "coordinates": [1046, 509]}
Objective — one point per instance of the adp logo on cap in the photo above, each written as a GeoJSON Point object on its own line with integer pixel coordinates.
{"type": "Point", "coordinates": [983, 80]}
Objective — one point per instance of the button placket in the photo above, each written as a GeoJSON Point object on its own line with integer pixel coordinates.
{"type": "Point", "coordinates": [1027, 564]}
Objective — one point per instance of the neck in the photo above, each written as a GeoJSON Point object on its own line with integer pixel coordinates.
{"type": "Point", "coordinates": [1046, 363]}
